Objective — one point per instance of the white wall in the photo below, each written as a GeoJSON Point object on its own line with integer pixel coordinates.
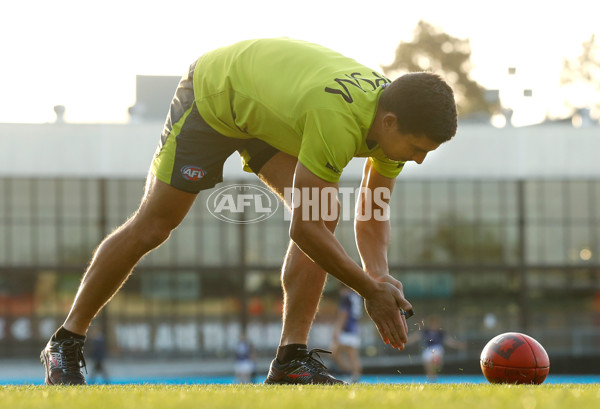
{"type": "Point", "coordinates": [82, 150]}
{"type": "Point", "coordinates": [125, 150]}
{"type": "Point", "coordinates": [544, 151]}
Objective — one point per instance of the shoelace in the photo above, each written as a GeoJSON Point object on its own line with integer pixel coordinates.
{"type": "Point", "coordinates": [73, 359]}
{"type": "Point", "coordinates": [316, 363]}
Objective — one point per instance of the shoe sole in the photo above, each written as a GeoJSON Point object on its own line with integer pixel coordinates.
{"type": "Point", "coordinates": [268, 382]}
{"type": "Point", "coordinates": [45, 363]}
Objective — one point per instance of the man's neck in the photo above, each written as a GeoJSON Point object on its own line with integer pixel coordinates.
{"type": "Point", "coordinates": [374, 130]}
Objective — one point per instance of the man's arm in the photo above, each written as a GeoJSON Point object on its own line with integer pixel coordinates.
{"type": "Point", "coordinates": [454, 343]}
{"type": "Point", "coordinates": [318, 242]}
{"type": "Point", "coordinates": [372, 228]}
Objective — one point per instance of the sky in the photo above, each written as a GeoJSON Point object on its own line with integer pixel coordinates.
{"type": "Point", "coordinates": [85, 55]}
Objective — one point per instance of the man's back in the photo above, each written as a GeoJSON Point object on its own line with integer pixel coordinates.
{"type": "Point", "coordinates": [287, 92]}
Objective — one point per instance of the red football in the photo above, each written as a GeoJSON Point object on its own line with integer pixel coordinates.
{"type": "Point", "coordinates": [514, 358]}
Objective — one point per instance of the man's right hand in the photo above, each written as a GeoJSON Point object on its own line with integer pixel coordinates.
{"type": "Point", "coordinates": [383, 306]}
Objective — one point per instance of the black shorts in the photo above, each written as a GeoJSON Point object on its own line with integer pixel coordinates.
{"type": "Point", "coordinates": [191, 154]}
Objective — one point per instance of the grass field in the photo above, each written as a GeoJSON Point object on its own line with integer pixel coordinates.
{"type": "Point", "coordinates": [378, 396]}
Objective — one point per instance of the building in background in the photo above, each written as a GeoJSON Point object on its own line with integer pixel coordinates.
{"type": "Point", "coordinates": [497, 231]}
{"type": "Point", "coordinates": [151, 92]}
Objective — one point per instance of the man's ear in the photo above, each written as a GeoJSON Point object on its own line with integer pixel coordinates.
{"type": "Point", "coordinates": [390, 120]}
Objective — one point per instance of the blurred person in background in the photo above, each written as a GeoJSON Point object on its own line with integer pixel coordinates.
{"type": "Point", "coordinates": [346, 333]}
{"type": "Point", "coordinates": [98, 353]}
{"type": "Point", "coordinates": [245, 365]}
{"type": "Point", "coordinates": [433, 340]}
{"type": "Point", "coordinates": [297, 113]}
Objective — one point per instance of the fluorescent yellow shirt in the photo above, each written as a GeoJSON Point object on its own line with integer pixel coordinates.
{"type": "Point", "coordinates": [298, 97]}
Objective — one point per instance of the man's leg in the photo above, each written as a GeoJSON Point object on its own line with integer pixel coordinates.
{"type": "Point", "coordinates": [302, 282]}
{"type": "Point", "coordinates": [340, 356]}
{"type": "Point", "coordinates": [302, 279]}
{"type": "Point", "coordinates": [355, 364]}
{"type": "Point", "coordinates": [161, 210]}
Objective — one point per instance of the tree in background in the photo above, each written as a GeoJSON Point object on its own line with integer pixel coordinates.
{"type": "Point", "coordinates": [582, 76]}
{"type": "Point", "coordinates": [450, 57]}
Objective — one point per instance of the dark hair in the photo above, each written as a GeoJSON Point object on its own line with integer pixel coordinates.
{"type": "Point", "coordinates": [423, 104]}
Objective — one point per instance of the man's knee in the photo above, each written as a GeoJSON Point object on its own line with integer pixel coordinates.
{"type": "Point", "coordinates": [150, 233]}
{"type": "Point", "coordinates": [162, 209]}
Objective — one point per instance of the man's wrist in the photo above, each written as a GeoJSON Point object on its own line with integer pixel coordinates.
{"type": "Point", "coordinates": [371, 286]}
{"type": "Point", "coordinates": [377, 274]}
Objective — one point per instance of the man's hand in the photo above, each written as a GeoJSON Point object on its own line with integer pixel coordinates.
{"type": "Point", "coordinates": [383, 306]}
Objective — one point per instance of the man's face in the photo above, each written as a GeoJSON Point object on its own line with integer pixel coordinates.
{"type": "Point", "coordinates": [405, 147]}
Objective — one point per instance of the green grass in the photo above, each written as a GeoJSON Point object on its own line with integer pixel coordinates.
{"type": "Point", "coordinates": [378, 396]}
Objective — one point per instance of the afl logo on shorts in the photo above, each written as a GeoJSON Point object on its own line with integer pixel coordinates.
{"type": "Point", "coordinates": [193, 173]}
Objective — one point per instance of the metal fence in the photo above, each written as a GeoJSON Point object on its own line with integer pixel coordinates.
{"type": "Point", "coordinates": [486, 256]}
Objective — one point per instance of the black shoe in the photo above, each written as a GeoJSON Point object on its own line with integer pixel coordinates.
{"type": "Point", "coordinates": [63, 361]}
{"type": "Point", "coordinates": [303, 370]}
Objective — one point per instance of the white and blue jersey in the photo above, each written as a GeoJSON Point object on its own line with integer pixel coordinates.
{"type": "Point", "coordinates": [352, 304]}
{"type": "Point", "coordinates": [433, 345]}
{"type": "Point", "coordinates": [432, 338]}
